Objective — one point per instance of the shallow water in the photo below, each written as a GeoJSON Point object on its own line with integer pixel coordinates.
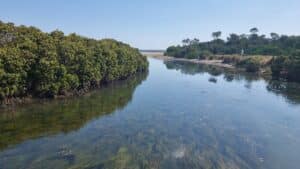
{"type": "Point", "coordinates": [180, 115]}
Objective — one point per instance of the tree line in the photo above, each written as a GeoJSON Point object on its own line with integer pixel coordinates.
{"type": "Point", "coordinates": [285, 50]}
{"type": "Point", "coordinates": [42, 64]}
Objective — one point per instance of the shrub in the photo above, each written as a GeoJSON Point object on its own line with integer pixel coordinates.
{"type": "Point", "coordinates": [41, 64]}
{"type": "Point", "coordinates": [251, 64]}
{"type": "Point", "coordinates": [286, 67]}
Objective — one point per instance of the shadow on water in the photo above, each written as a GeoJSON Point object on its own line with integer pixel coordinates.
{"type": "Point", "coordinates": [289, 91]}
{"type": "Point", "coordinates": [64, 116]}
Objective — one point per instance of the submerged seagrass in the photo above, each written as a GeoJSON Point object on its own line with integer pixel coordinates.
{"type": "Point", "coordinates": [181, 116]}
{"type": "Point", "coordinates": [49, 64]}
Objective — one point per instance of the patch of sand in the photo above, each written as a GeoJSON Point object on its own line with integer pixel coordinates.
{"type": "Point", "coordinates": [160, 55]}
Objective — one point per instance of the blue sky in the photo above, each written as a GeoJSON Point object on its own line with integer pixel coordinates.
{"type": "Point", "coordinates": [154, 24]}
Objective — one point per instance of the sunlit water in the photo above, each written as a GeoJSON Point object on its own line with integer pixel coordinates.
{"type": "Point", "coordinates": [179, 116]}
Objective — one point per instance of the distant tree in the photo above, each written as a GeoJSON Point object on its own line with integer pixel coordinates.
{"type": "Point", "coordinates": [274, 36]}
{"type": "Point", "coordinates": [233, 39]}
{"type": "Point", "coordinates": [186, 42]}
{"type": "Point", "coordinates": [263, 37]}
{"type": "Point", "coordinates": [194, 41]}
{"type": "Point", "coordinates": [254, 30]}
{"type": "Point", "coordinates": [216, 35]}
{"type": "Point", "coordinates": [252, 44]}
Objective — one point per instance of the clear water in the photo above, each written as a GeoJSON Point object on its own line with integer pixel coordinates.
{"type": "Point", "coordinates": [179, 116]}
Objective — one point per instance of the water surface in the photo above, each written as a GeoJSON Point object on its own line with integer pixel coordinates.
{"type": "Point", "coordinates": [179, 116]}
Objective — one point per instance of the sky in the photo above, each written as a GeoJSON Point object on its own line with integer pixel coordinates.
{"type": "Point", "coordinates": [154, 24]}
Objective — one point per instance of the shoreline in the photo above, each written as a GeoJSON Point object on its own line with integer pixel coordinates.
{"type": "Point", "coordinates": [207, 62]}
{"type": "Point", "coordinates": [14, 102]}
{"type": "Point", "coordinates": [219, 63]}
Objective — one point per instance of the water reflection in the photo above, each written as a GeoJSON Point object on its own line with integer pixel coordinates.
{"type": "Point", "coordinates": [213, 80]}
{"type": "Point", "coordinates": [49, 118]}
{"type": "Point", "coordinates": [173, 121]}
{"type": "Point", "coordinates": [192, 68]}
{"type": "Point", "coordinates": [290, 91]}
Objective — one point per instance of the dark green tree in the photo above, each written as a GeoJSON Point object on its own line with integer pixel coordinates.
{"type": "Point", "coordinates": [216, 35]}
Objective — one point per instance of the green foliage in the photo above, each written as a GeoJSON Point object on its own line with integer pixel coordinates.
{"type": "Point", "coordinates": [277, 66]}
{"type": "Point", "coordinates": [237, 46]}
{"type": "Point", "coordinates": [233, 59]}
{"type": "Point", "coordinates": [252, 44]}
{"type": "Point", "coordinates": [286, 67]}
{"type": "Point", "coordinates": [205, 54]}
{"type": "Point", "coordinates": [254, 30]}
{"type": "Point", "coordinates": [251, 64]}
{"type": "Point", "coordinates": [216, 35]}
{"type": "Point", "coordinates": [48, 64]}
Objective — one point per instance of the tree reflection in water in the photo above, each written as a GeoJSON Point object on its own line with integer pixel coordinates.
{"type": "Point", "coordinates": [290, 91]}
{"type": "Point", "coordinates": [64, 116]}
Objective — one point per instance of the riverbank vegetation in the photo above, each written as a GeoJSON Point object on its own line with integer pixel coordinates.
{"type": "Point", "coordinates": [38, 64]}
{"type": "Point", "coordinates": [251, 51]}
